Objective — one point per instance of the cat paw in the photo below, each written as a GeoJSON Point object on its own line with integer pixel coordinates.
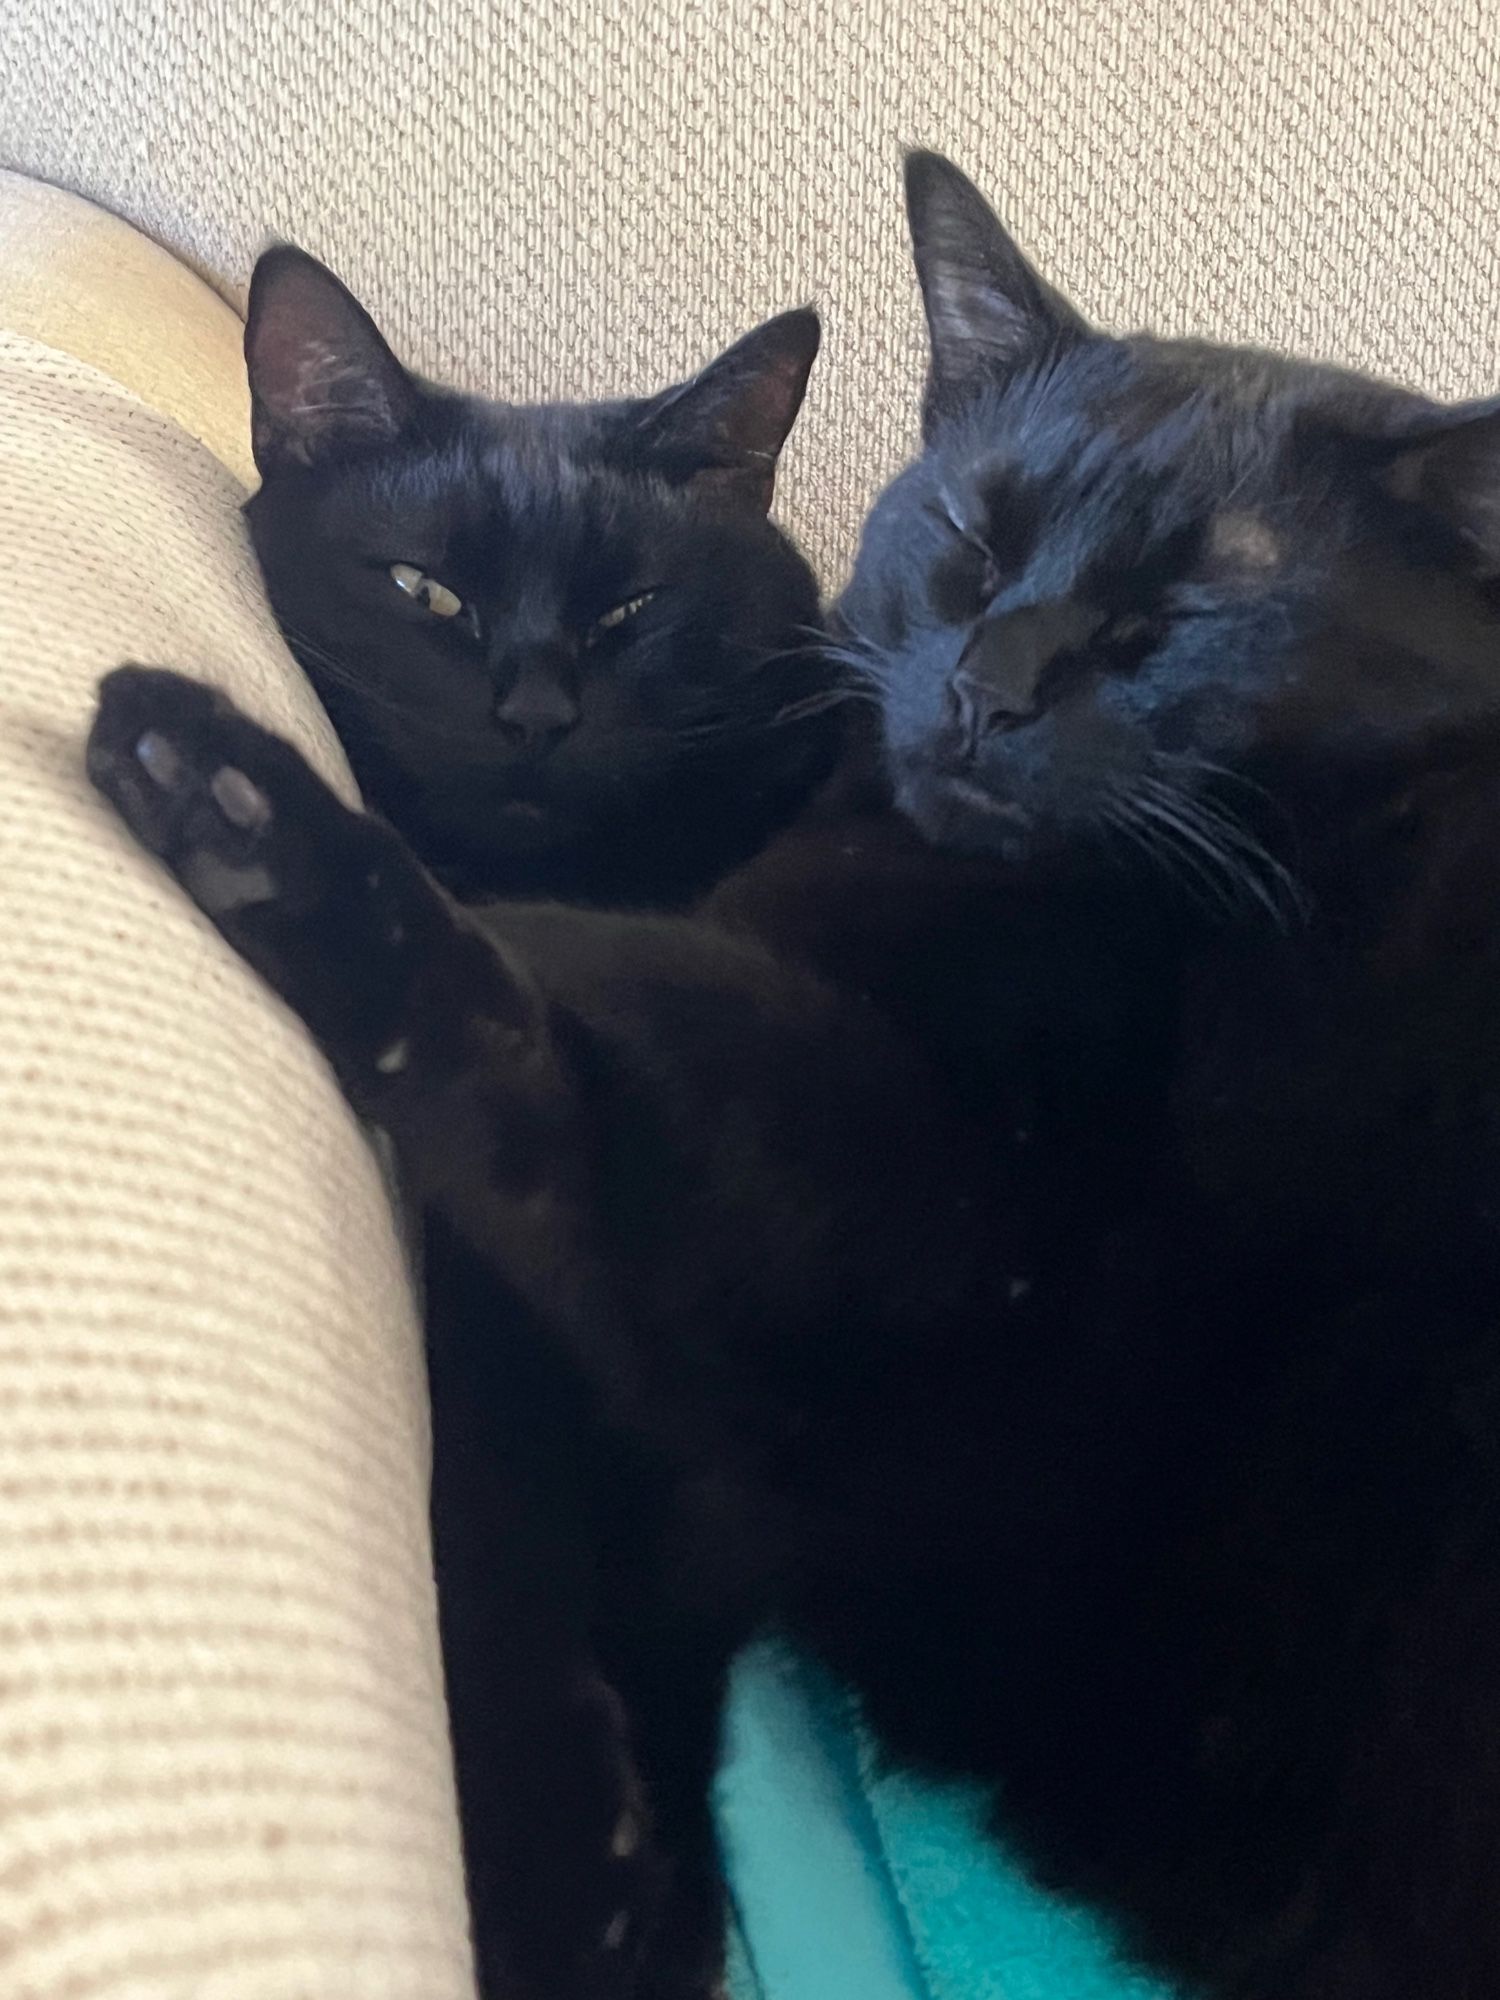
{"type": "Point", "coordinates": [227, 806]}
{"type": "Point", "coordinates": [308, 892]}
{"type": "Point", "coordinates": [328, 905]}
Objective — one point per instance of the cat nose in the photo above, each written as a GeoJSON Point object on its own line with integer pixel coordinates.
{"type": "Point", "coordinates": [997, 683]}
{"type": "Point", "coordinates": [982, 708]}
{"type": "Point", "coordinates": [535, 713]}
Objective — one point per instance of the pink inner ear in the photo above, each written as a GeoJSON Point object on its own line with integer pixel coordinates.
{"type": "Point", "coordinates": [319, 370]}
{"type": "Point", "coordinates": [760, 415]}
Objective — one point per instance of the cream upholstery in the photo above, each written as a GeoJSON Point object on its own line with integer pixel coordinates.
{"type": "Point", "coordinates": [75, 278]}
{"type": "Point", "coordinates": [223, 1759]}
{"type": "Point", "coordinates": [222, 1763]}
{"type": "Point", "coordinates": [544, 197]}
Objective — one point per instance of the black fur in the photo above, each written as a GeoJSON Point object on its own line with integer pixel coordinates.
{"type": "Point", "coordinates": [520, 744]}
{"type": "Point", "coordinates": [1233, 621]}
{"type": "Point", "coordinates": [523, 749]}
{"type": "Point", "coordinates": [1054, 1277]}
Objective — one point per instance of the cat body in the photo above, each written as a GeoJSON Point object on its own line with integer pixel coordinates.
{"type": "Point", "coordinates": [568, 654]}
{"type": "Point", "coordinates": [1037, 1246]}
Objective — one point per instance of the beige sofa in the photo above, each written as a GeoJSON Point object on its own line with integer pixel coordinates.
{"type": "Point", "coordinates": [223, 1765]}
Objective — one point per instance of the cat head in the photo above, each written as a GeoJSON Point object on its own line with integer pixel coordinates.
{"type": "Point", "coordinates": [1131, 583]}
{"type": "Point", "coordinates": [564, 646]}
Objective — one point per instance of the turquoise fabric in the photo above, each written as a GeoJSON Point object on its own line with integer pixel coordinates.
{"type": "Point", "coordinates": [851, 1882]}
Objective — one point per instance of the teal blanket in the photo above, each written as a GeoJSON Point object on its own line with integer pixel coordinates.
{"type": "Point", "coordinates": [851, 1882]}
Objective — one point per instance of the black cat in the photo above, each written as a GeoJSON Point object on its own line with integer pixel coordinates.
{"type": "Point", "coordinates": [567, 652]}
{"type": "Point", "coordinates": [1237, 618]}
{"type": "Point", "coordinates": [1056, 1277]}
{"type": "Point", "coordinates": [564, 647]}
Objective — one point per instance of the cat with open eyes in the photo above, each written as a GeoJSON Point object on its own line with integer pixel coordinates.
{"type": "Point", "coordinates": [564, 646]}
{"type": "Point", "coordinates": [568, 653]}
{"type": "Point", "coordinates": [1042, 1237]}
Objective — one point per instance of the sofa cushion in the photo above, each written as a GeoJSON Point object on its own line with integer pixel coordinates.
{"type": "Point", "coordinates": [226, 1769]}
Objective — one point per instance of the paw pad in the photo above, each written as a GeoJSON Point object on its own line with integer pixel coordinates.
{"type": "Point", "coordinates": [242, 803]}
{"type": "Point", "coordinates": [159, 758]}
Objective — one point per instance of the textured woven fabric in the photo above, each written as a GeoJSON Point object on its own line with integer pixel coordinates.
{"type": "Point", "coordinates": [223, 1760]}
{"type": "Point", "coordinates": [76, 278]}
{"type": "Point", "coordinates": [544, 197]}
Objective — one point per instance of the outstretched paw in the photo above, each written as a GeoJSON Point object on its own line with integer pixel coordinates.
{"type": "Point", "coordinates": [206, 789]}
{"type": "Point", "coordinates": [324, 903]}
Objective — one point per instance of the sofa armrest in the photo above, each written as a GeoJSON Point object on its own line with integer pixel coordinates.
{"type": "Point", "coordinates": [224, 1739]}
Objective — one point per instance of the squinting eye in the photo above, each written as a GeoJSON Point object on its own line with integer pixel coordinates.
{"type": "Point", "coordinates": [618, 613]}
{"type": "Point", "coordinates": [429, 593]}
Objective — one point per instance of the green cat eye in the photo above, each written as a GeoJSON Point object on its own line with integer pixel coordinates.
{"type": "Point", "coordinates": [429, 593]}
{"type": "Point", "coordinates": [618, 613]}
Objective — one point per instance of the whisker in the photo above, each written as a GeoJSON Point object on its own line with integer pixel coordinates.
{"type": "Point", "coordinates": [819, 704]}
{"type": "Point", "coordinates": [774, 655]}
{"type": "Point", "coordinates": [1179, 812]}
{"type": "Point", "coordinates": [1195, 857]}
{"type": "Point", "coordinates": [1225, 849]}
{"type": "Point", "coordinates": [1245, 842]}
{"type": "Point", "coordinates": [1118, 813]}
{"type": "Point", "coordinates": [1193, 764]}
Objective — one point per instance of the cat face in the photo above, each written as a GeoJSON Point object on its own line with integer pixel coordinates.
{"type": "Point", "coordinates": [566, 650]}
{"type": "Point", "coordinates": [1126, 576]}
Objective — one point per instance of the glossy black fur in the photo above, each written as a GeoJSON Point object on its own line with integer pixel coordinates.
{"type": "Point", "coordinates": [1234, 621]}
{"type": "Point", "coordinates": [1053, 1276]}
{"type": "Point", "coordinates": [521, 747]}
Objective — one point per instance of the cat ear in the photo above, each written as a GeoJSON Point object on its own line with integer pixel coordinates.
{"type": "Point", "coordinates": [988, 311]}
{"type": "Point", "coordinates": [1451, 468]}
{"type": "Point", "coordinates": [322, 379]}
{"type": "Point", "coordinates": [729, 422]}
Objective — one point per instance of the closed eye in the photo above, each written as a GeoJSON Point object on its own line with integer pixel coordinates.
{"type": "Point", "coordinates": [1129, 640]}
{"type": "Point", "coordinates": [617, 614]}
{"type": "Point", "coordinates": [974, 558]}
{"type": "Point", "coordinates": [426, 590]}
{"type": "Point", "coordinates": [963, 581]}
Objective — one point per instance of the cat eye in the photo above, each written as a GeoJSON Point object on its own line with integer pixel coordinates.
{"type": "Point", "coordinates": [975, 560]}
{"type": "Point", "coordinates": [1132, 625]}
{"type": "Point", "coordinates": [1129, 640]}
{"type": "Point", "coordinates": [964, 580]}
{"type": "Point", "coordinates": [946, 510]}
{"type": "Point", "coordinates": [617, 615]}
{"type": "Point", "coordinates": [426, 590]}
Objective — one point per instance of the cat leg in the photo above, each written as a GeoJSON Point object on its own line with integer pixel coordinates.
{"type": "Point", "coordinates": [441, 1039]}
{"type": "Point", "coordinates": [559, 1873]}
{"type": "Point", "coordinates": [672, 1671]}
{"type": "Point", "coordinates": [326, 904]}
{"type": "Point", "coordinates": [436, 1034]}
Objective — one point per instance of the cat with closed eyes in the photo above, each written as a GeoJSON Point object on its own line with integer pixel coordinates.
{"type": "Point", "coordinates": [1041, 1237]}
{"type": "Point", "coordinates": [569, 654]}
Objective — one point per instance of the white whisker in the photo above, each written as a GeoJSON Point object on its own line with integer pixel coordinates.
{"type": "Point", "coordinates": [1207, 849]}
